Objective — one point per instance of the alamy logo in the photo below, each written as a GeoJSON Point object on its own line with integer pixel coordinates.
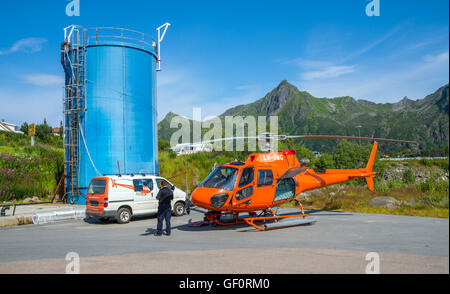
{"type": "Point", "coordinates": [236, 127]}
{"type": "Point", "coordinates": [73, 267]}
{"type": "Point", "coordinates": [373, 8]}
{"type": "Point", "coordinates": [373, 267]}
{"type": "Point", "coordinates": [73, 8]}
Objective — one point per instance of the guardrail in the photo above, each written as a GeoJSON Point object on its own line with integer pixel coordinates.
{"type": "Point", "coordinates": [4, 207]}
{"type": "Point", "coordinates": [105, 35]}
{"type": "Point", "coordinates": [413, 158]}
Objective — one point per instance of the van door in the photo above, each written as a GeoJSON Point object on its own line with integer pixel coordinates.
{"type": "Point", "coordinates": [171, 186]}
{"type": "Point", "coordinates": [145, 196]}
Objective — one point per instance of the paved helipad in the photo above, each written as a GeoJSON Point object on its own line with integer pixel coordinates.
{"type": "Point", "coordinates": [338, 243]}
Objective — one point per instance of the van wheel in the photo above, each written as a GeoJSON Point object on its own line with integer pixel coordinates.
{"type": "Point", "coordinates": [178, 209]}
{"type": "Point", "coordinates": [123, 215]}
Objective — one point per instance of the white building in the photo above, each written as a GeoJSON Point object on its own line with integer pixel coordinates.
{"type": "Point", "coordinates": [8, 127]}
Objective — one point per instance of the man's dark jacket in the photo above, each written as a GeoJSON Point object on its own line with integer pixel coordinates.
{"type": "Point", "coordinates": [165, 195]}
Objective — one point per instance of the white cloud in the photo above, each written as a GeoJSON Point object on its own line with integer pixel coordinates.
{"type": "Point", "coordinates": [333, 71]}
{"type": "Point", "coordinates": [27, 45]}
{"type": "Point", "coordinates": [440, 58]}
{"type": "Point", "coordinates": [43, 80]}
{"type": "Point", "coordinates": [374, 44]}
{"type": "Point", "coordinates": [389, 83]}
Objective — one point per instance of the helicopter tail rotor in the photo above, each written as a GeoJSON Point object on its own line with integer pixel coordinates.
{"type": "Point", "coordinates": [369, 168]}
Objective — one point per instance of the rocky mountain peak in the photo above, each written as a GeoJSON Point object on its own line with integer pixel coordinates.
{"type": "Point", "coordinates": [278, 97]}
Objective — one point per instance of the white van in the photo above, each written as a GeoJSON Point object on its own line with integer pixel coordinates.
{"type": "Point", "coordinates": [121, 197]}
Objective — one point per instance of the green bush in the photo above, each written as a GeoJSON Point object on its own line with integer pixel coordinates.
{"type": "Point", "coordinates": [324, 161]}
{"type": "Point", "coordinates": [29, 171]}
{"type": "Point", "coordinates": [408, 176]}
{"type": "Point", "coordinates": [163, 145]}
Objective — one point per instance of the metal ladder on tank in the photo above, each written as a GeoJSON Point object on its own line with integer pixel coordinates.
{"type": "Point", "coordinates": [74, 108]}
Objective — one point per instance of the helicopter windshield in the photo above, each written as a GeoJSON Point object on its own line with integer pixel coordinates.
{"type": "Point", "coordinates": [221, 178]}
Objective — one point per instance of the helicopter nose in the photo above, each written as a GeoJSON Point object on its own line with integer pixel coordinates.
{"type": "Point", "coordinates": [209, 198]}
{"type": "Point", "coordinates": [197, 199]}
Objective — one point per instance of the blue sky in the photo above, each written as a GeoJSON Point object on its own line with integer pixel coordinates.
{"type": "Point", "coordinates": [219, 54]}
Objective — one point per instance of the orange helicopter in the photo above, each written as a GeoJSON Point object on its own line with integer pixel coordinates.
{"type": "Point", "coordinates": [267, 180]}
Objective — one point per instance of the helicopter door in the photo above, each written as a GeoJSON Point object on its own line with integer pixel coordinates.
{"type": "Point", "coordinates": [285, 189]}
{"type": "Point", "coordinates": [265, 185]}
{"type": "Point", "coordinates": [245, 186]}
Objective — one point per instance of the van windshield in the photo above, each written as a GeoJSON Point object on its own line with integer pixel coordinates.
{"type": "Point", "coordinates": [221, 178]}
{"type": "Point", "coordinates": [97, 187]}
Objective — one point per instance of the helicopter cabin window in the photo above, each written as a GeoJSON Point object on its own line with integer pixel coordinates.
{"type": "Point", "coordinates": [265, 177]}
{"type": "Point", "coordinates": [285, 190]}
{"type": "Point", "coordinates": [221, 178]}
{"type": "Point", "coordinates": [247, 176]}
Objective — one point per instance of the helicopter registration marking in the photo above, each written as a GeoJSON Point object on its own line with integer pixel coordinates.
{"type": "Point", "coordinates": [270, 157]}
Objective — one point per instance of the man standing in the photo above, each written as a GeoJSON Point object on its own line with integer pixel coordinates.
{"type": "Point", "coordinates": [165, 196]}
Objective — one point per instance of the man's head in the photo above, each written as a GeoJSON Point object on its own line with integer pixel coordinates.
{"type": "Point", "coordinates": [164, 184]}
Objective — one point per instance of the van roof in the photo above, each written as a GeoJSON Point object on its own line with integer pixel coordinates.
{"type": "Point", "coordinates": [130, 177]}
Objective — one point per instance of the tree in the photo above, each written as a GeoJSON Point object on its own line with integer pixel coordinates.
{"type": "Point", "coordinates": [349, 154]}
{"type": "Point", "coordinates": [44, 131]}
{"type": "Point", "coordinates": [61, 131]}
{"type": "Point", "coordinates": [24, 128]}
{"type": "Point", "coordinates": [325, 161]}
{"type": "Point", "coordinates": [163, 145]}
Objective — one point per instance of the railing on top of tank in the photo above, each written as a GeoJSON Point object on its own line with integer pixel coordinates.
{"type": "Point", "coordinates": [96, 36]}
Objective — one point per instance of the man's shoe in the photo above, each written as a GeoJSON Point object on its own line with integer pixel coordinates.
{"type": "Point", "coordinates": [158, 235]}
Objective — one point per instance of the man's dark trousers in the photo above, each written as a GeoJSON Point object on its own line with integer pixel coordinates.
{"type": "Point", "coordinates": [164, 213]}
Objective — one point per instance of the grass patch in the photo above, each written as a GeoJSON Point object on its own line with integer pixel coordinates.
{"type": "Point", "coordinates": [421, 199]}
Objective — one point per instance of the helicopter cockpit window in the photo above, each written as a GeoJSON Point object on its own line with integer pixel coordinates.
{"type": "Point", "coordinates": [221, 178]}
{"type": "Point", "coordinates": [247, 176]}
{"type": "Point", "coordinates": [265, 177]}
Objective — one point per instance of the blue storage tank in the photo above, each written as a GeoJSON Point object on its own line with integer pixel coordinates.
{"type": "Point", "coordinates": [114, 78]}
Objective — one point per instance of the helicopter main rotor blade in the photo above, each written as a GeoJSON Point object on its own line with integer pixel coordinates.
{"type": "Point", "coordinates": [213, 141]}
{"type": "Point", "coordinates": [346, 138]}
{"type": "Point", "coordinates": [285, 137]}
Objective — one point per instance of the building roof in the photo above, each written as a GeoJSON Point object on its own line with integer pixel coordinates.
{"type": "Point", "coordinates": [6, 127]}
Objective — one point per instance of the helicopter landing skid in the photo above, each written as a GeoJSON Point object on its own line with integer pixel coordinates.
{"type": "Point", "coordinates": [294, 220]}
{"type": "Point", "coordinates": [281, 221]}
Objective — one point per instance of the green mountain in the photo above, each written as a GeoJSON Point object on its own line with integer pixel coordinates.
{"type": "Point", "coordinates": [299, 113]}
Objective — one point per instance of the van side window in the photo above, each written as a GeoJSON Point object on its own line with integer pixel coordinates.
{"type": "Point", "coordinates": [158, 183]}
{"type": "Point", "coordinates": [142, 184]}
{"type": "Point", "coordinates": [247, 176]}
{"type": "Point", "coordinates": [265, 177]}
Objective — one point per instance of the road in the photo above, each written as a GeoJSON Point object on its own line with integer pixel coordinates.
{"type": "Point", "coordinates": [337, 243]}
